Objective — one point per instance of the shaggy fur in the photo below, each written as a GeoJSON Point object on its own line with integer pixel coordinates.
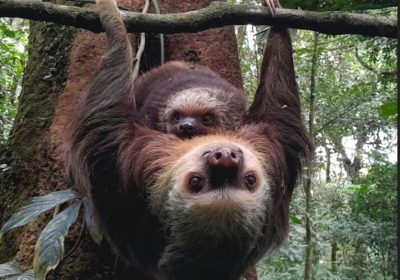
{"type": "Point", "coordinates": [138, 177]}
{"type": "Point", "coordinates": [191, 91]}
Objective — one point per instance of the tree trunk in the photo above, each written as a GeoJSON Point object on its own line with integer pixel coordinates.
{"type": "Point", "coordinates": [28, 153]}
{"type": "Point", "coordinates": [61, 63]}
{"type": "Point", "coordinates": [215, 48]}
{"type": "Point", "coordinates": [328, 164]}
{"type": "Point", "coordinates": [334, 246]}
{"type": "Point", "coordinates": [310, 170]}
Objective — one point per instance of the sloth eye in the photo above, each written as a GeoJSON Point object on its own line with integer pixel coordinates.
{"type": "Point", "coordinates": [175, 117]}
{"type": "Point", "coordinates": [250, 181]}
{"type": "Point", "coordinates": [196, 183]}
{"type": "Point", "coordinates": [207, 119]}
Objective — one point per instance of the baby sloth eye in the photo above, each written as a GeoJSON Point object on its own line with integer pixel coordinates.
{"type": "Point", "coordinates": [250, 181]}
{"type": "Point", "coordinates": [175, 117]}
{"type": "Point", "coordinates": [196, 183]}
{"type": "Point", "coordinates": [207, 119]}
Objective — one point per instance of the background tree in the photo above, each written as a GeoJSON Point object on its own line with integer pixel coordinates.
{"type": "Point", "coordinates": [355, 120]}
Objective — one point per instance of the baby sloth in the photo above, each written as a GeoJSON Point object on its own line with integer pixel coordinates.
{"type": "Point", "coordinates": [188, 100]}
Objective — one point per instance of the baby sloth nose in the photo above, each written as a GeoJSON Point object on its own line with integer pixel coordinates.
{"type": "Point", "coordinates": [223, 166]}
{"type": "Point", "coordinates": [224, 158]}
{"type": "Point", "coordinates": [187, 128]}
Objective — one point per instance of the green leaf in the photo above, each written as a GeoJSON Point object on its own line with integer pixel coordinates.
{"type": "Point", "coordinates": [49, 249]}
{"type": "Point", "coordinates": [92, 221]}
{"type": "Point", "coordinates": [10, 269]}
{"type": "Point", "coordinates": [9, 33]}
{"type": "Point", "coordinates": [38, 205]}
{"type": "Point", "coordinates": [388, 109]}
{"type": "Point", "coordinates": [28, 275]}
{"type": "Point", "coordinates": [294, 219]}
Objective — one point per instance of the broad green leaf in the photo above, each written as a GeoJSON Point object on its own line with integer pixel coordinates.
{"type": "Point", "coordinates": [92, 221]}
{"type": "Point", "coordinates": [38, 205]}
{"type": "Point", "coordinates": [49, 249]}
{"type": "Point", "coordinates": [388, 109]}
{"type": "Point", "coordinates": [27, 275]}
{"type": "Point", "coordinates": [9, 269]}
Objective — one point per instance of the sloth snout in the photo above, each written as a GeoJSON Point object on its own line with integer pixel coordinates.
{"type": "Point", "coordinates": [224, 158]}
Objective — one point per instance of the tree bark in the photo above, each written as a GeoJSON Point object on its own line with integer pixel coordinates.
{"type": "Point", "coordinates": [27, 153]}
{"type": "Point", "coordinates": [216, 15]}
{"type": "Point", "coordinates": [334, 248]}
{"type": "Point", "coordinates": [328, 164]}
{"type": "Point", "coordinates": [310, 170]}
{"type": "Point", "coordinates": [215, 48]}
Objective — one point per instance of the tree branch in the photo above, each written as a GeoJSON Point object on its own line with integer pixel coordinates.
{"type": "Point", "coordinates": [216, 15]}
{"type": "Point", "coordinates": [370, 68]}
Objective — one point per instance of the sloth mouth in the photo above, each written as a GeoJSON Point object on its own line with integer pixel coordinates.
{"type": "Point", "coordinates": [222, 178]}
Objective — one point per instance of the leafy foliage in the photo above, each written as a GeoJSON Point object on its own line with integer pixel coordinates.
{"type": "Point", "coordinates": [49, 249]}
{"type": "Point", "coordinates": [353, 211]}
{"type": "Point", "coordinates": [10, 269]}
{"type": "Point", "coordinates": [329, 5]}
{"type": "Point", "coordinates": [38, 205]}
{"type": "Point", "coordinates": [13, 56]}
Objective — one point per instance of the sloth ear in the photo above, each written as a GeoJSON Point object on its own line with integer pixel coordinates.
{"type": "Point", "coordinates": [277, 90]}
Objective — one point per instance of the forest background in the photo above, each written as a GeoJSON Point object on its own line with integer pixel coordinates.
{"type": "Point", "coordinates": [343, 213]}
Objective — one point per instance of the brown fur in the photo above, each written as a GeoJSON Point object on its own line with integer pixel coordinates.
{"type": "Point", "coordinates": [159, 88]}
{"type": "Point", "coordinates": [137, 177]}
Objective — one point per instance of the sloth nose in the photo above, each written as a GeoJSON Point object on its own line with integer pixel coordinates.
{"type": "Point", "coordinates": [224, 158]}
{"type": "Point", "coordinates": [186, 127]}
{"type": "Point", "coordinates": [223, 167]}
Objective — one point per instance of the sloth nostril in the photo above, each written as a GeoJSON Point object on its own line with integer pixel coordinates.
{"type": "Point", "coordinates": [186, 127]}
{"type": "Point", "coordinates": [224, 158]}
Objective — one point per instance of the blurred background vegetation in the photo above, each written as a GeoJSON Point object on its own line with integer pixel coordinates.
{"type": "Point", "coordinates": [351, 201]}
{"type": "Point", "coordinates": [347, 202]}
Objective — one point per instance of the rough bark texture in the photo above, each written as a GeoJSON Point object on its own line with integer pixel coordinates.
{"type": "Point", "coordinates": [215, 48]}
{"type": "Point", "coordinates": [61, 62]}
{"type": "Point", "coordinates": [32, 171]}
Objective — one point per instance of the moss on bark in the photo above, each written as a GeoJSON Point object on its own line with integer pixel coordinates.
{"type": "Point", "coordinates": [26, 152]}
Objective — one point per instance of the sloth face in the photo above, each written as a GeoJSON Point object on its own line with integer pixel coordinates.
{"type": "Point", "coordinates": [217, 187]}
{"type": "Point", "coordinates": [199, 111]}
{"type": "Point", "coordinates": [217, 193]}
{"type": "Point", "coordinates": [220, 167]}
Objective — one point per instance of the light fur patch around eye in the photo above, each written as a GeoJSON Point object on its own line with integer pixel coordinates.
{"type": "Point", "coordinates": [190, 162]}
{"type": "Point", "coordinates": [193, 100]}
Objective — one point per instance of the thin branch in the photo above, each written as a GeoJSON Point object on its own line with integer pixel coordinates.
{"type": "Point", "coordinates": [141, 47]}
{"type": "Point", "coordinates": [218, 14]}
{"type": "Point", "coordinates": [370, 68]}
